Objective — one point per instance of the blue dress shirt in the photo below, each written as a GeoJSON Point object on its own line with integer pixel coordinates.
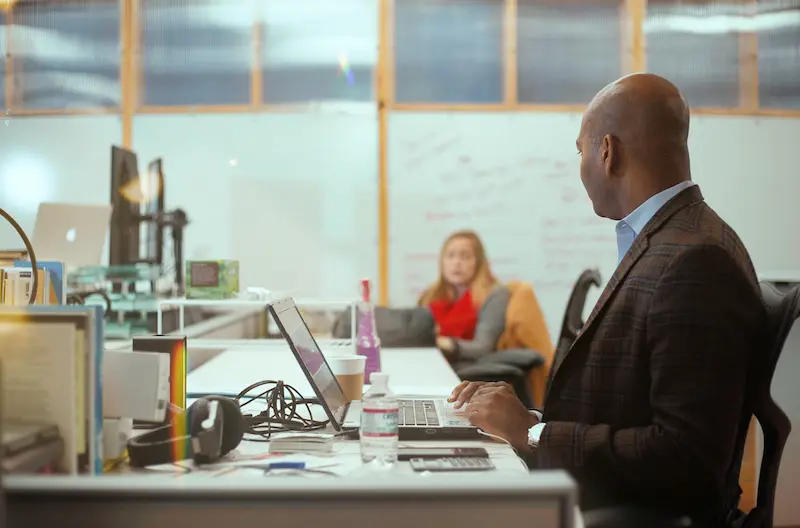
{"type": "Point", "coordinates": [629, 227]}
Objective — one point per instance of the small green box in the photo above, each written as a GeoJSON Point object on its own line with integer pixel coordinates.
{"type": "Point", "coordinates": [212, 279]}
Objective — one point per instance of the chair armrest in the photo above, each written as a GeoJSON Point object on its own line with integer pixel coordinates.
{"type": "Point", "coordinates": [521, 358]}
{"type": "Point", "coordinates": [482, 371]}
{"type": "Point", "coordinates": [632, 517]}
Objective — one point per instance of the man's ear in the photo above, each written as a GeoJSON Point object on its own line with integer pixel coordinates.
{"type": "Point", "coordinates": [608, 154]}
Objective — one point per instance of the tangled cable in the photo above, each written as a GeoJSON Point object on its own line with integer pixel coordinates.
{"type": "Point", "coordinates": [80, 298]}
{"type": "Point", "coordinates": [284, 405]}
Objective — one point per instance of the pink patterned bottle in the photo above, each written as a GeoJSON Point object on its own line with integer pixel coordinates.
{"type": "Point", "coordinates": [367, 341]}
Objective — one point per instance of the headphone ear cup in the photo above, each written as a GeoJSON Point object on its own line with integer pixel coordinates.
{"type": "Point", "coordinates": [195, 414]}
{"type": "Point", "coordinates": [232, 423]}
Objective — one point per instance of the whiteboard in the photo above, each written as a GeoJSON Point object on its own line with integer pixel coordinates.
{"type": "Point", "coordinates": [514, 178]}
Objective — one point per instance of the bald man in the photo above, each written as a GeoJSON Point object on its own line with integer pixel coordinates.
{"type": "Point", "coordinates": [645, 408]}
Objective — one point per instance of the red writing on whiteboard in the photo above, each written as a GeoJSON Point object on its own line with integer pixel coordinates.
{"type": "Point", "coordinates": [431, 151]}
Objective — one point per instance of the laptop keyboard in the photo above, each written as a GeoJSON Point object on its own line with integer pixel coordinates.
{"type": "Point", "coordinates": [418, 412]}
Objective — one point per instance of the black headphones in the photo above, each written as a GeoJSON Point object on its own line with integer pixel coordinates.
{"type": "Point", "coordinates": [210, 428]}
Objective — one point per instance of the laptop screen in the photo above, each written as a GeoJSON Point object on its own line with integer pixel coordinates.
{"type": "Point", "coordinates": [313, 362]}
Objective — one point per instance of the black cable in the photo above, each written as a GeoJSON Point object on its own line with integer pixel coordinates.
{"type": "Point", "coordinates": [31, 254]}
{"type": "Point", "coordinates": [197, 395]}
{"type": "Point", "coordinates": [284, 404]}
{"type": "Point", "coordinates": [283, 410]}
{"type": "Point", "coordinates": [80, 298]}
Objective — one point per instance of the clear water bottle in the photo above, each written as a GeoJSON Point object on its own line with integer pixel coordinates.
{"type": "Point", "coordinates": [379, 422]}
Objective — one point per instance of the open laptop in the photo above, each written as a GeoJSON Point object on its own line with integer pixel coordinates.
{"type": "Point", "coordinates": [421, 418]}
{"type": "Point", "coordinates": [74, 234]}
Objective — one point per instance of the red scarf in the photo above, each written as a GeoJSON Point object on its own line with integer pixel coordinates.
{"type": "Point", "coordinates": [456, 319]}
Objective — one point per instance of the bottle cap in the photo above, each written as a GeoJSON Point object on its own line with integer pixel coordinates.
{"type": "Point", "coordinates": [366, 287]}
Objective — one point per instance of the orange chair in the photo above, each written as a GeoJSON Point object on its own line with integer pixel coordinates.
{"type": "Point", "coordinates": [526, 329]}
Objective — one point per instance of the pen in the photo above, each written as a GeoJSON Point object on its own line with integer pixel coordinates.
{"type": "Point", "coordinates": [286, 465]}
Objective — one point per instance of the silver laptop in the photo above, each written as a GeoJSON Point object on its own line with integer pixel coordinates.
{"type": "Point", "coordinates": [71, 233]}
{"type": "Point", "coordinates": [420, 418]}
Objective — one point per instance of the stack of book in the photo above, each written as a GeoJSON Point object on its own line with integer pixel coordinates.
{"type": "Point", "coordinates": [16, 279]}
{"type": "Point", "coordinates": [51, 388]}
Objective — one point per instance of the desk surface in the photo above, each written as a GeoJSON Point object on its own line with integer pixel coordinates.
{"type": "Point", "coordinates": [411, 370]}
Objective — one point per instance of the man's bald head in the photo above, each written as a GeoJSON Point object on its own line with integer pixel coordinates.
{"type": "Point", "coordinates": [633, 141]}
{"type": "Point", "coordinates": [643, 111]}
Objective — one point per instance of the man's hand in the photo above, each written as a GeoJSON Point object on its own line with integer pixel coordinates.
{"type": "Point", "coordinates": [464, 391]}
{"type": "Point", "coordinates": [495, 409]}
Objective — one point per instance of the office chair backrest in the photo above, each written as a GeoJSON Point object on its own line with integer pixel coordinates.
{"type": "Point", "coordinates": [783, 309]}
{"type": "Point", "coordinates": [573, 317]}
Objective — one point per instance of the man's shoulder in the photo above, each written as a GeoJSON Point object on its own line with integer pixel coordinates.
{"type": "Point", "coordinates": [699, 230]}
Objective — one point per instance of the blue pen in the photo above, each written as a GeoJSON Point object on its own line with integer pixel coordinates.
{"type": "Point", "coordinates": [287, 465]}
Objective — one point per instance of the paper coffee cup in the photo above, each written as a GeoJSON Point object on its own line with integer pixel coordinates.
{"type": "Point", "coordinates": [349, 372]}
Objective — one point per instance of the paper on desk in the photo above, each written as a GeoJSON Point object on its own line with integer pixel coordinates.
{"type": "Point", "coordinates": [257, 464]}
{"type": "Point", "coordinates": [339, 465]}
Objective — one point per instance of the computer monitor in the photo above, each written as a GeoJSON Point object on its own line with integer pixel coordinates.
{"type": "Point", "coordinates": [546, 499]}
{"type": "Point", "coordinates": [125, 200]}
{"type": "Point", "coordinates": [152, 186]}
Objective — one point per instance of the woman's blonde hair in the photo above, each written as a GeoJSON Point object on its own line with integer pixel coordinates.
{"type": "Point", "coordinates": [481, 284]}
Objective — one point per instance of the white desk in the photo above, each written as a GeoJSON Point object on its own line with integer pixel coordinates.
{"type": "Point", "coordinates": [411, 371]}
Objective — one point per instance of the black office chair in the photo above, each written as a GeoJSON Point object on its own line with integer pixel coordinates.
{"type": "Point", "coordinates": [510, 366]}
{"type": "Point", "coordinates": [783, 309]}
{"type": "Point", "coordinates": [573, 317]}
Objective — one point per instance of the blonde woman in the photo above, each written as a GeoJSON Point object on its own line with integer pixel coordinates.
{"type": "Point", "coordinates": [467, 302]}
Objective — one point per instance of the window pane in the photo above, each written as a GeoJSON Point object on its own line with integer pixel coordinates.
{"type": "Point", "coordinates": [567, 50]}
{"type": "Point", "coordinates": [319, 50]}
{"type": "Point", "coordinates": [779, 53]}
{"type": "Point", "coordinates": [66, 54]}
{"type": "Point", "coordinates": [197, 52]}
{"type": "Point", "coordinates": [448, 52]}
{"type": "Point", "coordinates": [696, 46]}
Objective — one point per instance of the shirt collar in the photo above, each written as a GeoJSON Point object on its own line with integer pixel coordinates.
{"type": "Point", "coordinates": [639, 217]}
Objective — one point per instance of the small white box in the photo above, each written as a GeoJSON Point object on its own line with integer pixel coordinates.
{"type": "Point", "coordinates": [135, 385]}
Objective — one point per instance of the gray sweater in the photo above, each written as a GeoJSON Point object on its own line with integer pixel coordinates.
{"type": "Point", "coordinates": [491, 324]}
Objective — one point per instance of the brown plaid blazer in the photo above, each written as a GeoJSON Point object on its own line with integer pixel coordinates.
{"type": "Point", "coordinates": [644, 409]}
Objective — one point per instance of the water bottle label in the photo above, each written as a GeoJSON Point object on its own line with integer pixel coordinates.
{"type": "Point", "coordinates": [379, 422]}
